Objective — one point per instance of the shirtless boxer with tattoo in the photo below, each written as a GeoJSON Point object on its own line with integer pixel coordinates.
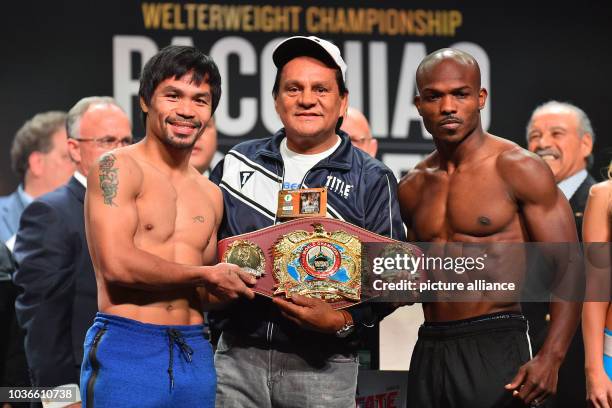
{"type": "Point", "coordinates": [479, 188]}
{"type": "Point", "coordinates": [151, 223]}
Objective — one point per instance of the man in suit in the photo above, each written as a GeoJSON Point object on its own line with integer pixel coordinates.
{"type": "Point", "coordinates": [562, 135]}
{"type": "Point", "coordinates": [39, 156]}
{"type": "Point", "coordinates": [59, 302]}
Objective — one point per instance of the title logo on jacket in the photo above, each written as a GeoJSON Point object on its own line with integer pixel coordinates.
{"type": "Point", "coordinates": [338, 186]}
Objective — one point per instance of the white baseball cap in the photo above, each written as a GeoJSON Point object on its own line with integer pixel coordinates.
{"type": "Point", "coordinates": [312, 46]}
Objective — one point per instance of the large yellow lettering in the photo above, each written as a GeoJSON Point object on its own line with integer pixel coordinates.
{"type": "Point", "coordinates": [232, 18]}
{"type": "Point", "coordinates": [372, 17]}
{"type": "Point", "coordinates": [407, 22]}
{"type": "Point", "coordinates": [247, 18]}
{"type": "Point", "coordinates": [178, 21]}
{"type": "Point", "coordinates": [190, 8]}
{"type": "Point", "coordinates": [456, 19]}
{"type": "Point", "coordinates": [215, 15]}
{"type": "Point", "coordinates": [167, 16]}
{"type": "Point", "coordinates": [202, 17]}
{"type": "Point", "coordinates": [151, 13]}
{"type": "Point", "coordinates": [295, 18]}
{"type": "Point", "coordinates": [311, 24]}
{"type": "Point", "coordinates": [356, 20]}
{"type": "Point", "coordinates": [420, 22]}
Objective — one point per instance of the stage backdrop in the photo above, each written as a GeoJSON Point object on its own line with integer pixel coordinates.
{"type": "Point", "coordinates": [58, 52]}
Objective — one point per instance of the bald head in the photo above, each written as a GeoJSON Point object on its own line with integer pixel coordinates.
{"type": "Point", "coordinates": [357, 127]}
{"type": "Point", "coordinates": [450, 97]}
{"type": "Point", "coordinates": [447, 56]}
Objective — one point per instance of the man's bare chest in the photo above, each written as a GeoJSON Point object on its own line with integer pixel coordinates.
{"type": "Point", "coordinates": [181, 214]}
{"type": "Point", "coordinates": [471, 204]}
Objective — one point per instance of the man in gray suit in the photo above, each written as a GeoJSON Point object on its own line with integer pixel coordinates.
{"type": "Point", "coordinates": [39, 156]}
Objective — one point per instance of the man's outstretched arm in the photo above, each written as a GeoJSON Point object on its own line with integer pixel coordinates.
{"type": "Point", "coordinates": [111, 221]}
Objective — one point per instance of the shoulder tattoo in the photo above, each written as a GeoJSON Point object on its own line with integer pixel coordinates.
{"type": "Point", "coordinates": [109, 178]}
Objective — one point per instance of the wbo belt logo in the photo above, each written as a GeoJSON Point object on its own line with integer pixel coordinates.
{"type": "Point", "coordinates": [321, 264]}
{"type": "Point", "coordinates": [320, 259]}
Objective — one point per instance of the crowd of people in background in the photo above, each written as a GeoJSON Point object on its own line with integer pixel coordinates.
{"type": "Point", "coordinates": [51, 287]}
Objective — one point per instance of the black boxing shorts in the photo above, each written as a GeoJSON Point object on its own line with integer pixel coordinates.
{"type": "Point", "coordinates": [467, 363]}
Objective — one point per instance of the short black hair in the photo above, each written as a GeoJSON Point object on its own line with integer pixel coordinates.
{"type": "Point", "coordinates": [174, 61]}
{"type": "Point", "coordinates": [315, 53]}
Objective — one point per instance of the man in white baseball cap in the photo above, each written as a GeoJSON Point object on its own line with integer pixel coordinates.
{"type": "Point", "coordinates": [300, 46]}
{"type": "Point", "coordinates": [299, 352]}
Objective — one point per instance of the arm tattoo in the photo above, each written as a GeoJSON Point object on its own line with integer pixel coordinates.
{"type": "Point", "coordinates": [108, 178]}
{"type": "Point", "coordinates": [198, 218]}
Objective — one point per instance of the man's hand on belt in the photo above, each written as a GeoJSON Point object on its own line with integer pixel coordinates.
{"type": "Point", "coordinates": [227, 282]}
{"type": "Point", "coordinates": [312, 314]}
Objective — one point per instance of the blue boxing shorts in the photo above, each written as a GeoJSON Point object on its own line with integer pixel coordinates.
{"type": "Point", "coordinates": [127, 363]}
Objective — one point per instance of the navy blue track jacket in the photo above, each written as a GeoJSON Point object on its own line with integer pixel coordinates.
{"type": "Point", "coordinates": [361, 191]}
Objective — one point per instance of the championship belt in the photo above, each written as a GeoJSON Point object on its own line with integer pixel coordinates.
{"type": "Point", "coordinates": [315, 257]}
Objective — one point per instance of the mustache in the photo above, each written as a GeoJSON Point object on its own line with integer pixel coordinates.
{"type": "Point", "coordinates": [450, 119]}
{"type": "Point", "coordinates": [182, 121]}
{"type": "Point", "coordinates": [547, 152]}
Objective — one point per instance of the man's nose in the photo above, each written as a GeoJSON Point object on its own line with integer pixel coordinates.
{"type": "Point", "coordinates": [448, 105]}
{"type": "Point", "coordinates": [185, 109]}
{"type": "Point", "coordinates": [545, 141]}
{"type": "Point", "coordinates": [307, 98]}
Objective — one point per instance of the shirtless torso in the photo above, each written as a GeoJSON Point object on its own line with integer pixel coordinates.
{"type": "Point", "coordinates": [446, 205]}
{"type": "Point", "coordinates": [175, 218]}
{"type": "Point", "coordinates": [152, 219]}
{"type": "Point", "coordinates": [478, 188]}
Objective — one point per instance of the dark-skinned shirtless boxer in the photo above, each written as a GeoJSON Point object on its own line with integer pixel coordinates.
{"type": "Point", "coordinates": [151, 222]}
{"type": "Point", "coordinates": [479, 188]}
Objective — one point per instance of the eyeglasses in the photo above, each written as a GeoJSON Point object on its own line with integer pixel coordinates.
{"type": "Point", "coordinates": [361, 141]}
{"type": "Point", "coordinates": [108, 142]}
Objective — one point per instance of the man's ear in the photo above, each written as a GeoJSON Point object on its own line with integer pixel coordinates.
{"type": "Point", "coordinates": [482, 98]}
{"type": "Point", "coordinates": [344, 105]}
{"type": "Point", "coordinates": [35, 163]}
{"type": "Point", "coordinates": [143, 105]}
{"type": "Point", "coordinates": [74, 151]}
{"type": "Point", "coordinates": [417, 103]}
{"type": "Point", "coordinates": [586, 145]}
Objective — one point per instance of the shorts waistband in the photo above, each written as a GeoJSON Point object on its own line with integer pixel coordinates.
{"type": "Point", "coordinates": [188, 331]}
{"type": "Point", "coordinates": [474, 325]}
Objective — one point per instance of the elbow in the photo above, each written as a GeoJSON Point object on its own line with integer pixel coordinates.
{"type": "Point", "coordinates": [113, 271]}
{"type": "Point", "coordinates": [115, 277]}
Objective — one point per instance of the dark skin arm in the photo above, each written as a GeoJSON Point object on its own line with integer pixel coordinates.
{"type": "Point", "coordinates": [548, 218]}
